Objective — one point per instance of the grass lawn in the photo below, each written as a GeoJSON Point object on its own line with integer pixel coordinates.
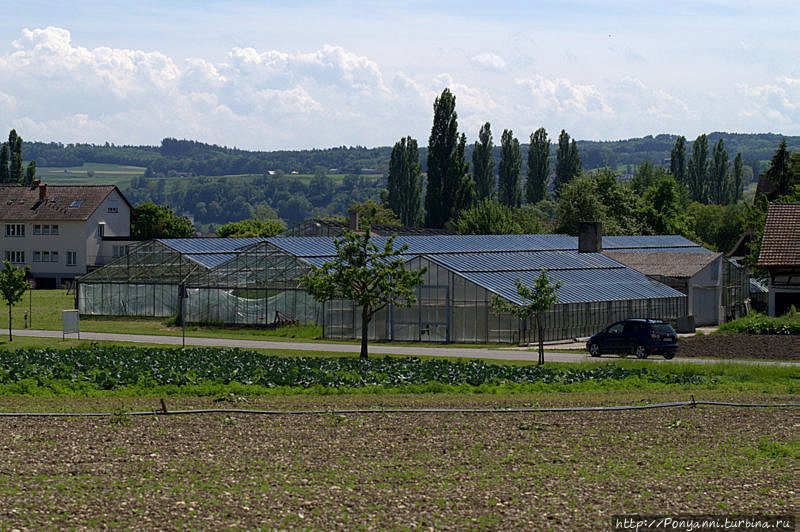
{"type": "Point", "coordinates": [105, 174]}
{"type": "Point", "coordinates": [448, 471]}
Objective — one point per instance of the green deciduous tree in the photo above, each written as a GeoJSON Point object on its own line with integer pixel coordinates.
{"type": "Point", "coordinates": [509, 192]}
{"type": "Point", "coordinates": [677, 160]}
{"type": "Point", "coordinates": [717, 226]}
{"type": "Point", "coordinates": [450, 188]}
{"type": "Point", "coordinates": [13, 283]}
{"type": "Point", "coordinates": [718, 175]}
{"type": "Point", "coordinates": [736, 181]}
{"type": "Point", "coordinates": [483, 164]}
{"type": "Point", "coordinates": [4, 163]}
{"type": "Point", "coordinates": [697, 172]}
{"type": "Point", "coordinates": [159, 221]}
{"type": "Point", "coordinates": [370, 213]}
{"type": "Point", "coordinates": [369, 276]}
{"type": "Point", "coordinates": [487, 218]}
{"type": "Point", "coordinates": [538, 167]}
{"type": "Point", "coordinates": [404, 182]}
{"type": "Point", "coordinates": [536, 299]}
{"type": "Point", "coordinates": [15, 166]}
{"type": "Point", "coordinates": [30, 173]}
{"type": "Point", "coordinates": [661, 210]}
{"type": "Point", "coordinates": [578, 202]}
{"type": "Point", "coordinates": [643, 178]}
{"type": "Point", "coordinates": [251, 228]}
{"type": "Point", "coordinates": [568, 163]}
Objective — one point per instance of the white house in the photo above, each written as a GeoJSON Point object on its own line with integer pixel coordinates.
{"type": "Point", "coordinates": [63, 231]}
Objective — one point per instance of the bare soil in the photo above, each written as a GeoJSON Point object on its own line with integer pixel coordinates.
{"type": "Point", "coordinates": [448, 471]}
{"type": "Point", "coordinates": [768, 347]}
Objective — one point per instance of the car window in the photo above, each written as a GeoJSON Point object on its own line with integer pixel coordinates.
{"type": "Point", "coordinates": [616, 328]}
{"type": "Point", "coordinates": [663, 328]}
{"type": "Point", "coordinates": [632, 327]}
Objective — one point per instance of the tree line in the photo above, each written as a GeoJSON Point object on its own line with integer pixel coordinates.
{"type": "Point", "coordinates": [11, 163]}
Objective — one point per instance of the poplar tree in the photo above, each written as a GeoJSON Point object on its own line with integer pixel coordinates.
{"type": "Point", "coordinates": [698, 170]}
{"type": "Point", "coordinates": [538, 167]}
{"type": "Point", "coordinates": [568, 163]}
{"type": "Point", "coordinates": [483, 164]}
{"type": "Point", "coordinates": [30, 173]}
{"type": "Point", "coordinates": [718, 175]}
{"type": "Point", "coordinates": [736, 180]}
{"type": "Point", "coordinates": [677, 161]}
{"type": "Point", "coordinates": [450, 189]}
{"type": "Point", "coordinates": [509, 192]}
{"type": "Point", "coordinates": [15, 168]}
{"type": "Point", "coordinates": [404, 182]}
{"type": "Point", "coordinates": [4, 163]}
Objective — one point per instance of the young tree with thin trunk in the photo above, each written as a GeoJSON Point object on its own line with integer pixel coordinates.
{"type": "Point", "coordinates": [404, 182]}
{"type": "Point", "coordinates": [13, 283]}
{"type": "Point", "coordinates": [538, 167]}
{"type": "Point", "coordinates": [483, 164]}
{"type": "Point", "coordinates": [509, 192]}
{"type": "Point", "coordinates": [535, 300]}
{"type": "Point", "coordinates": [365, 274]}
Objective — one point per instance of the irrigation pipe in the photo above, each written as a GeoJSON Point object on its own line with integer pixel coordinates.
{"type": "Point", "coordinates": [165, 412]}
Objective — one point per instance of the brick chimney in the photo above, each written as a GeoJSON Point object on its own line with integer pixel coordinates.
{"type": "Point", "coordinates": [590, 237]}
{"type": "Point", "coordinates": [42, 191]}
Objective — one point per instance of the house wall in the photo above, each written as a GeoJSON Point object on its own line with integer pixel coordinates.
{"type": "Point", "coordinates": [705, 294]}
{"type": "Point", "coordinates": [115, 214]}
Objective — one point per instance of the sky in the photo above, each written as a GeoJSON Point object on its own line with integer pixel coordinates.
{"type": "Point", "coordinates": [269, 75]}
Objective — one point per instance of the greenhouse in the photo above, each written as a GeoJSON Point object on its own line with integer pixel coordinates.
{"type": "Point", "coordinates": [254, 282]}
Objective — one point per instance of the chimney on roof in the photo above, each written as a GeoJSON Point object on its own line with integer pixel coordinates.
{"type": "Point", "coordinates": [42, 191]}
{"type": "Point", "coordinates": [352, 224]}
{"type": "Point", "coordinates": [590, 237]}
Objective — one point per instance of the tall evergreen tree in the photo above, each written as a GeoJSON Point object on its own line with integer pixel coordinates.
{"type": "Point", "coordinates": [4, 163]}
{"type": "Point", "coordinates": [677, 161]}
{"type": "Point", "coordinates": [698, 170]}
{"type": "Point", "coordinates": [509, 192]}
{"type": "Point", "coordinates": [30, 173]}
{"type": "Point", "coordinates": [448, 182]}
{"type": "Point", "coordinates": [538, 167]}
{"type": "Point", "coordinates": [736, 179]}
{"type": "Point", "coordinates": [404, 182]}
{"type": "Point", "coordinates": [483, 164]}
{"type": "Point", "coordinates": [718, 175]}
{"type": "Point", "coordinates": [568, 163]}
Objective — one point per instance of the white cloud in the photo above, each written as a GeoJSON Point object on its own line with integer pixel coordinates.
{"type": "Point", "coordinates": [488, 61]}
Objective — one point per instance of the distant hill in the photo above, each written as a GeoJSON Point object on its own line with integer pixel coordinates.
{"type": "Point", "coordinates": [188, 157]}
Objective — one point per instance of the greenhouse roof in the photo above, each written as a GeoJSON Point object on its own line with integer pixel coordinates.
{"type": "Point", "coordinates": [585, 277]}
{"type": "Point", "coordinates": [208, 252]}
{"type": "Point", "coordinates": [323, 246]}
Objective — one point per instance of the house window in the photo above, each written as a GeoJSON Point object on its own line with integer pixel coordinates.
{"type": "Point", "coordinates": [45, 256]}
{"type": "Point", "coordinates": [37, 229]}
{"type": "Point", "coordinates": [113, 206]}
{"type": "Point", "coordinates": [113, 209]}
{"type": "Point", "coordinates": [101, 230]}
{"type": "Point", "coordinates": [46, 230]}
{"type": "Point", "coordinates": [72, 258]}
{"type": "Point", "coordinates": [15, 256]}
{"type": "Point", "coordinates": [37, 256]}
{"type": "Point", "coordinates": [119, 251]}
{"type": "Point", "coordinates": [54, 256]}
{"type": "Point", "coordinates": [54, 229]}
{"type": "Point", "coordinates": [15, 229]}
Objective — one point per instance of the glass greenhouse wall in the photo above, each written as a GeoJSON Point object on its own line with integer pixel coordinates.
{"type": "Point", "coordinates": [450, 308]}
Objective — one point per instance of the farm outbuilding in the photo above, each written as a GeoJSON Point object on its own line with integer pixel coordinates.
{"type": "Point", "coordinates": [255, 282]}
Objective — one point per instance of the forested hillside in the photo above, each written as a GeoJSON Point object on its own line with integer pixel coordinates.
{"type": "Point", "coordinates": [196, 158]}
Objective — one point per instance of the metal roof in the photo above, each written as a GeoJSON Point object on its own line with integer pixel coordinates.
{"type": "Point", "coordinates": [524, 261]}
{"type": "Point", "coordinates": [322, 246]}
{"type": "Point", "coordinates": [208, 252]}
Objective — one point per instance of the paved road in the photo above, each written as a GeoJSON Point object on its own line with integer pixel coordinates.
{"type": "Point", "coordinates": [375, 349]}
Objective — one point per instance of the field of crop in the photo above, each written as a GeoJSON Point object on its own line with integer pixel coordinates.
{"type": "Point", "coordinates": [398, 471]}
{"type": "Point", "coordinates": [90, 174]}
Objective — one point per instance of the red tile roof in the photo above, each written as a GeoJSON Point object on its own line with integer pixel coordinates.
{"type": "Point", "coordinates": [781, 243]}
{"type": "Point", "coordinates": [22, 202]}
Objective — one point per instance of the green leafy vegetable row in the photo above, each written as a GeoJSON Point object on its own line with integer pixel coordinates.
{"type": "Point", "coordinates": [110, 367]}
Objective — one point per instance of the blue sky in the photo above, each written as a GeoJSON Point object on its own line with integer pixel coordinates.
{"type": "Point", "coordinates": [305, 74]}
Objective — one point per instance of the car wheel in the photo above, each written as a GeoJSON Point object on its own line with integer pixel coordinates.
{"type": "Point", "coordinates": [669, 356]}
{"type": "Point", "coordinates": [594, 350]}
{"type": "Point", "coordinates": [640, 351]}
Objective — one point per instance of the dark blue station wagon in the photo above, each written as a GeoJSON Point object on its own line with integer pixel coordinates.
{"type": "Point", "coordinates": [638, 336]}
